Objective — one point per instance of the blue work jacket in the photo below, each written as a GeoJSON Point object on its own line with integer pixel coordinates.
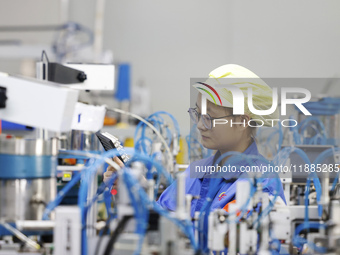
{"type": "Point", "coordinates": [197, 184]}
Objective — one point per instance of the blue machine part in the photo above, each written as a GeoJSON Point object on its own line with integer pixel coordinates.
{"type": "Point", "coordinates": [27, 167]}
{"type": "Point", "coordinates": [6, 125]}
{"type": "Point", "coordinates": [123, 83]}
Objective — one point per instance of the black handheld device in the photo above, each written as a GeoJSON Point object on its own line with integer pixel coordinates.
{"type": "Point", "coordinates": [110, 142]}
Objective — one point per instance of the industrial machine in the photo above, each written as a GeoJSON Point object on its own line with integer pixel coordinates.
{"type": "Point", "coordinates": [35, 219]}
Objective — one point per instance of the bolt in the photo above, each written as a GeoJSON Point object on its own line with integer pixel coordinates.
{"type": "Point", "coordinates": [81, 77]}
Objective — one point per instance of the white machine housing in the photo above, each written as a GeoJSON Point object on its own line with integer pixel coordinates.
{"type": "Point", "coordinates": [37, 103]}
{"type": "Point", "coordinates": [99, 76]}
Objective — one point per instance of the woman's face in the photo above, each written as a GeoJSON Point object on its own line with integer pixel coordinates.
{"type": "Point", "coordinates": [223, 137]}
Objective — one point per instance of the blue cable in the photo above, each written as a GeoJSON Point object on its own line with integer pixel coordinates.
{"type": "Point", "coordinates": [107, 200]}
{"type": "Point", "coordinates": [203, 218]}
{"type": "Point", "coordinates": [141, 212]}
{"type": "Point", "coordinates": [335, 182]}
{"type": "Point", "coordinates": [286, 152]}
{"type": "Point", "coordinates": [185, 226]}
{"type": "Point", "coordinates": [295, 131]}
{"type": "Point", "coordinates": [158, 122]}
{"type": "Point", "coordinates": [304, 124]}
{"type": "Point", "coordinates": [109, 154]}
{"type": "Point", "coordinates": [322, 156]}
{"type": "Point", "coordinates": [101, 189]}
{"type": "Point", "coordinates": [325, 154]}
{"type": "Point", "coordinates": [298, 241]}
{"type": "Point", "coordinates": [61, 194]}
{"type": "Point", "coordinates": [174, 121]}
{"type": "Point", "coordinates": [212, 192]}
{"type": "Point", "coordinates": [214, 186]}
{"type": "Point", "coordinates": [141, 143]}
{"type": "Point", "coordinates": [86, 177]}
{"type": "Point", "coordinates": [267, 209]}
{"type": "Point", "coordinates": [169, 135]}
{"type": "Point", "coordinates": [249, 158]}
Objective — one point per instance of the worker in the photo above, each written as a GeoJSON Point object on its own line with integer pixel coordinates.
{"type": "Point", "coordinates": [224, 138]}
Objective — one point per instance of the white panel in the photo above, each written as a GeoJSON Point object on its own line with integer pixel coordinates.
{"type": "Point", "coordinates": [88, 117]}
{"type": "Point", "coordinates": [98, 77]}
{"type": "Point", "coordinates": [67, 231]}
{"type": "Point", "coordinates": [38, 104]}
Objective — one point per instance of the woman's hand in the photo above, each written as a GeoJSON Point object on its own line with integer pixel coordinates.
{"type": "Point", "coordinates": [110, 170]}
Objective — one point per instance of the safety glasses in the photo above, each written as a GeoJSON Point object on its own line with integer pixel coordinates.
{"type": "Point", "coordinates": [207, 120]}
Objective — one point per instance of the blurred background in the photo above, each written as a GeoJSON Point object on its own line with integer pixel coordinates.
{"type": "Point", "coordinates": [168, 42]}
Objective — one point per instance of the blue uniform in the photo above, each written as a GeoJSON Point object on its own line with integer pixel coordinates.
{"type": "Point", "coordinates": [198, 185]}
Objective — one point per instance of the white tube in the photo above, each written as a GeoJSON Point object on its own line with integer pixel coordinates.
{"type": "Point", "coordinates": [21, 236]}
{"type": "Point", "coordinates": [232, 230]}
{"type": "Point", "coordinates": [170, 161]}
{"type": "Point", "coordinates": [181, 209]}
{"type": "Point", "coordinates": [35, 225]}
{"type": "Point", "coordinates": [325, 189]}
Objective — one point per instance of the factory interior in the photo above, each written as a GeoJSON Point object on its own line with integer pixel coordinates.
{"type": "Point", "coordinates": [155, 127]}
